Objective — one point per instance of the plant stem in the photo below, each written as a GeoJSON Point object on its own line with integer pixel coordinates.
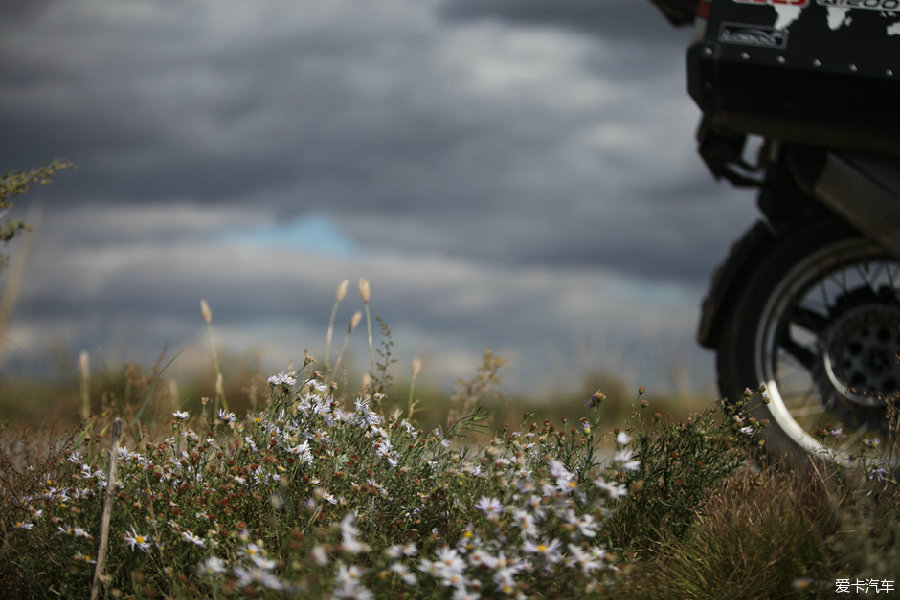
{"type": "Point", "coordinates": [371, 347]}
{"type": "Point", "coordinates": [329, 334]}
{"type": "Point", "coordinates": [107, 507]}
{"type": "Point", "coordinates": [85, 388]}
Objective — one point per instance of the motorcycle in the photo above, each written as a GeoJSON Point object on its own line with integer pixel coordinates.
{"type": "Point", "coordinates": [800, 101]}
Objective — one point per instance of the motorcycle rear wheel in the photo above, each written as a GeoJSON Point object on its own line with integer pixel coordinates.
{"type": "Point", "coordinates": [817, 329]}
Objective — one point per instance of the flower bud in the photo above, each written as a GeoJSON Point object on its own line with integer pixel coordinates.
{"type": "Point", "coordinates": [416, 367]}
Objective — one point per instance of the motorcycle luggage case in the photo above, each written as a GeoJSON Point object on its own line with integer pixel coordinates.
{"type": "Point", "coordinates": [818, 72]}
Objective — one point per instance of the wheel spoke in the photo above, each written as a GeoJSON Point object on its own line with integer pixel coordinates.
{"type": "Point", "coordinates": [808, 319]}
{"type": "Point", "coordinates": [804, 356]}
{"type": "Point", "coordinates": [810, 410]}
{"type": "Point", "coordinates": [876, 273]}
{"type": "Point", "coordinates": [837, 281]}
{"type": "Point", "coordinates": [891, 276]}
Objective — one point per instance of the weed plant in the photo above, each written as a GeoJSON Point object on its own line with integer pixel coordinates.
{"type": "Point", "coordinates": [315, 493]}
{"type": "Point", "coordinates": [772, 533]}
{"type": "Point", "coordinates": [324, 497]}
{"type": "Point", "coordinates": [309, 497]}
{"type": "Point", "coordinates": [679, 464]}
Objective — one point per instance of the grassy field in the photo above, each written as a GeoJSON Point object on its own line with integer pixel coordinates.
{"type": "Point", "coordinates": [290, 485]}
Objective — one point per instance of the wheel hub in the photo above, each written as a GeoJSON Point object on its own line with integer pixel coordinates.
{"type": "Point", "coordinates": [860, 354]}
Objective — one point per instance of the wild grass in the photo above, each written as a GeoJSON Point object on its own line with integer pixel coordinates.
{"type": "Point", "coordinates": [777, 534]}
{"type": "Point", "coordinates": [303, 488]}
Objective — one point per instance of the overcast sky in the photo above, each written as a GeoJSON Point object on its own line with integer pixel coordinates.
{"type": "Point", "coordinates": [512, 174]}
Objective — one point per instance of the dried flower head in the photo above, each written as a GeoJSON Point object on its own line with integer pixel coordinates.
{"type": "Point", "coordinates": [84, 364]}
{"type": "Point", "coordinates": [365, 290]}
{"type": "Point", "coordinates": [341, 291]}
{"type": "Point", "coordinates": [206, 311]}
{"type": "Point", "coordinates": [354, 321]}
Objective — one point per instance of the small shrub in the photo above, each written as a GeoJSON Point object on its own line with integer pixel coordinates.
{"type": "Point", "coordinates": [678, 466]}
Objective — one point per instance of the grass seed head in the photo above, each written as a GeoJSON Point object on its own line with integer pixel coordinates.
{"type": "Point", "coordinates": [365, 290]}
{"type": "Point", "coordinates": [354, 321]}
{"type": "Point", "coordinates": [341, 291]}
{"type": "Point", "coordinates": [206, 311]}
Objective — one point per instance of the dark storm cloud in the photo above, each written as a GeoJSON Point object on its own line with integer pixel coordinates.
{"type": "Point", "coordinates": [329, 116]}
{"type": "Point", "coordinates": [504, 172]}
{"type": "Point", "coordinates": [618, 19]}
{"type": "Point", "coordinates": [641, 42]}
{"type": "Point", "coordinates": [216, 121]}
{"type": "Point", "coordinates": [664, 241]}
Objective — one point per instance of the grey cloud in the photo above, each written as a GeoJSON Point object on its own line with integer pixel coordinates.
{"type": "Point", "coordinates": [609, 18]}
{"type": "Point", "coordinates": [204, 122]}
{"type": "Point", "coordinates": [489, 162]}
